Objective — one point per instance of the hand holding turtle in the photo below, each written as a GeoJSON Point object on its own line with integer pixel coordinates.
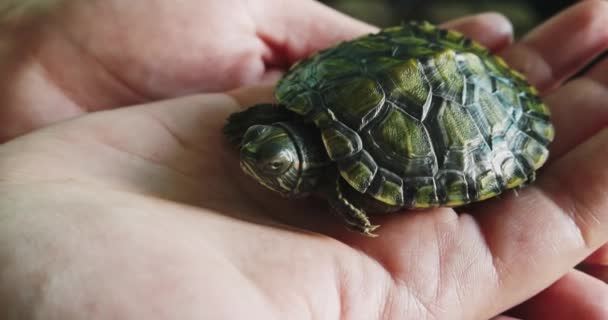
{"type": "Point", "coordinates": [147, 203]}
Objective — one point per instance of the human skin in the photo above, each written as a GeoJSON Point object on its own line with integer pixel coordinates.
{"type": "Point", "coordinates": [142, 212]}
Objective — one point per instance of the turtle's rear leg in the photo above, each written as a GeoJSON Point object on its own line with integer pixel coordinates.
{"type": "Point", "coordinates": [355, 218]}
{"type": "Point", "coordinates": [264, 114]}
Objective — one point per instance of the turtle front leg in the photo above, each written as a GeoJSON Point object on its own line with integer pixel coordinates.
{"type": "Point", "coordinates": [355, 218]}
{"type": "Point", "coordinates": [264, 114]}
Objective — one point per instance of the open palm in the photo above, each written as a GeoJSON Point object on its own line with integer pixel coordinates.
{"type": "Point", "coordinates": [143, 213]}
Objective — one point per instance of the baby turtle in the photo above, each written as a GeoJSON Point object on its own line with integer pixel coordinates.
{"type": "Point", "coordinates": [410, 117]}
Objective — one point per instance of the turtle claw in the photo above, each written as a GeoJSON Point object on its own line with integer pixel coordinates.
{"type": "Point", "coordinates": [365, 230]}
{"type": "Point", "coordinates": [355, 218]}
{"type": "Point", "coordinates": [369, 232]}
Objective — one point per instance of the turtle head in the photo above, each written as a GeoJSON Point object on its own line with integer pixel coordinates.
{"type": "Point", "coordinates": [270, 155]}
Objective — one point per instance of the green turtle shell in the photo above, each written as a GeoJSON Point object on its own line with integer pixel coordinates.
{"type": "Point", "coordinates": [416, 116]}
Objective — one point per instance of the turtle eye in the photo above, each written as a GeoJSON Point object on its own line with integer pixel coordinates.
{"type": "Point", "coordinates": [278, 165]}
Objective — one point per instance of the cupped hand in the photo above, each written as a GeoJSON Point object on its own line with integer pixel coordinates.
{"type": "Point", "coordinates": [143, 213]}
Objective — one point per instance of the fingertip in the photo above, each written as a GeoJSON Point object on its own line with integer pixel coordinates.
{"type": "Point", "coordinates": [492, 29]}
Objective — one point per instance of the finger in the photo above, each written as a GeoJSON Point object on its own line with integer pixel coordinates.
{"type": "Point", "coordinates": [596, 265]}
{"type": "Point", "coordinates": [300, 28]}
{"type": "Point", "coordinates": [493, 30]}
{"type": "Point", "coordinates": [573, 295]}
{"type": "Point", "coordinates": [562, 45]}
{"type": "Point", "coordinates": [579, 110]}
{"type": "Point", "coordinates": [536, 237]}
{"type": "Point", "coordinates": [599, 257]}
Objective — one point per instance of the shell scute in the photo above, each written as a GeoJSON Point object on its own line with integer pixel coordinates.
{"type": "Point", "coordinates": [406, 85]}
{"type": "Point", "coordinates": [354, 101]}
{"type": "Point", "coordinates": [340, 141]}
{"type": "Point", "coordinates": [403, 136]}
{"type": "Point", "coordinates": [444, 75]}
{"type": "Point", "coordinates": [359, 171]}
{"type": "Point", "coordinates": [387, 187]}
{"type": "Point", "coordinates": [334, 68]}
{"type": "Point", "coordinates": [458, 127]}
{"type": "Point", "coordinates": [455, 186]}
{"type": "Point", "coordinates": [422, 192]}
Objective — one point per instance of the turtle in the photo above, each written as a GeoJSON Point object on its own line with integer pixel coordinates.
{"type": "Point", "coordinates": [410, 117]}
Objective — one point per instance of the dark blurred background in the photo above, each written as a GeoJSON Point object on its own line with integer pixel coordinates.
{"type": "Point", "coordinates": [523, 14]}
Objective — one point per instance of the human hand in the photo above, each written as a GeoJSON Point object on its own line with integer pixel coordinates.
{"type": "Point", "coordinates": [147, 204]}
{"type": "Point", "coordinates": [63, 58]}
